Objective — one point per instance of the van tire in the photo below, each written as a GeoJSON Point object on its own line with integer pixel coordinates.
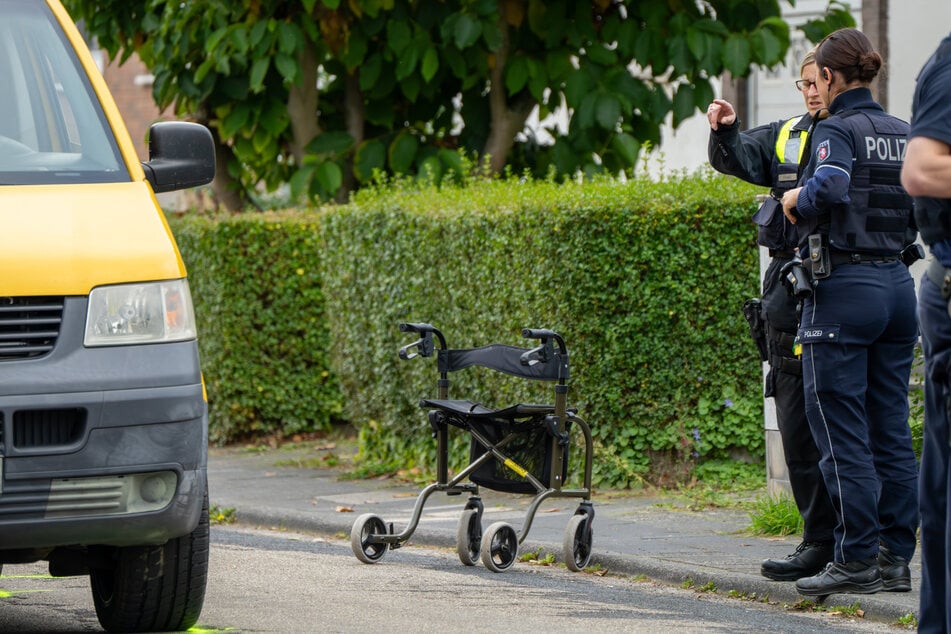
{"type": "Point", "coordinates": [138, 595]}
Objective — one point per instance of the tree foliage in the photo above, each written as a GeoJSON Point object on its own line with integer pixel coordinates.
{"type": "Point", "coordinates": [326, 94]}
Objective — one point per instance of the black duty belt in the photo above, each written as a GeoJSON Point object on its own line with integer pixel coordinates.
{"type": "Point", "coordinates": [785, 254]}
{"type": "Point", "coordinates": [840, 257]}
{"type": "Point", "coordinates": [784, 340]}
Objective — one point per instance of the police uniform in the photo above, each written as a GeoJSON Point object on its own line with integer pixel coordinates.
{"type": "Point", "coordinates": [858, 333]}
{"type": "Point", "coordinates": [931, 113]}
{"type": "Point", "coordinates": [769, 155]}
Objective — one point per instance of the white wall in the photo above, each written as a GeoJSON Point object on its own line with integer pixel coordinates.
{"type": "Point", "coordinates": [915, 27]}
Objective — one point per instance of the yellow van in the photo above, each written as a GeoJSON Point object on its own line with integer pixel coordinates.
{"type": "Point", "coordinates": [103, 419]}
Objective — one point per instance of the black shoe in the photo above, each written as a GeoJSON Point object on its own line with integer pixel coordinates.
{"type": "Point", "coordinates": [810, 558]}
{"type": "Point", "coordinates": [896, 576]}
{"type": "Point", "coordinates": [856, 577]}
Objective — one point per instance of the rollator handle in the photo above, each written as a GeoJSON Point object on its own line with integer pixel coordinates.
{"type": "Point", "coordinates": [424, 345]}
{"type": "Point", "coordinates": [544, 335]}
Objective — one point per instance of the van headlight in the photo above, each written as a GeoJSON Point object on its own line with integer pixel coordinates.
{"type": "Point", "coordinates": [153, 312]}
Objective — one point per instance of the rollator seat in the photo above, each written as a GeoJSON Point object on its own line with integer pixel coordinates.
{"type": "Point", "coordinates": [477, 410]}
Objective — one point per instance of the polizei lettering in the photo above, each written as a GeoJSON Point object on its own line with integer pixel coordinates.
{"type": "Point", "coordinates": [885, 148]}
{"type": "Point", "coordinates": [811, 334]}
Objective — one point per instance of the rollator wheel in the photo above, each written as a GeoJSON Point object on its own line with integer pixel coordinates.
{"type": "Point", "coordinates": [366, 551]}
{"type": "Point", "coordinates": [578, 538]}
{"type": "Point", "coordinates": [469, 537]}
{"type": "Point", "coordinates": [499, 547]}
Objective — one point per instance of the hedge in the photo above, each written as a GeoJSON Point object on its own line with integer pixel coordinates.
{"type": "Point", "coordinates": [298, 313]}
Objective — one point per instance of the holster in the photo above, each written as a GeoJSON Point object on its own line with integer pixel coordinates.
{"type": "Point", "coordinates": [781, 355]}
{"type": "Point", "coordinates": [753, 313]}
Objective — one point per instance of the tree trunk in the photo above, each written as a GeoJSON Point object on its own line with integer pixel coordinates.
{"type": "Point", "coordinates": [355, 128]}
{"type": "Point", "coordinates": [228, 192]}
{"type": "Point", "coordinates": [302, 102]}
{"type": "Point", "coordinates": [875, 26]}
{"type": "Point", "coordinates": [507, 119]}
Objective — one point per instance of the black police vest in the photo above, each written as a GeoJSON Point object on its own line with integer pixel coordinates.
{"type": "Point", "coordinates": [774, 232]}
{"type": "Point", "coordinates": [878, 218]}
{"type": "Point", "coordinates": [933, 215]}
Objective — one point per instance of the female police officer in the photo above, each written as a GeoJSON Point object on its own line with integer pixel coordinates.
{"type": "Point", "coordinates": [769, 155]}
{"type": "Point", "coordinates": [858, 329]}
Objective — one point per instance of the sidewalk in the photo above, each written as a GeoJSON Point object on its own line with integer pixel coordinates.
{"type": "Point", "coordinates": [633, 535]}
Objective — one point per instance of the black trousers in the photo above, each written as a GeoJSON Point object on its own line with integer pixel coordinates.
{"type": "Point", "coordinates": [784, 384]}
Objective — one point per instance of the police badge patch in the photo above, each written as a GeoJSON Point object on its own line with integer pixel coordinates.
{"type": "Point", "coordinates": [822, 152]}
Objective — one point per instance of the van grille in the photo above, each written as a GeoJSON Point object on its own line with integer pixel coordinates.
{"type": "Point", "coordinates": [47, 427]}
{"type": "Point", "coordinates": [29, 326]}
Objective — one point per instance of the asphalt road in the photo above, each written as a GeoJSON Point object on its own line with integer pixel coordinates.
{"type": "Point", "coordinates": [267, 581]}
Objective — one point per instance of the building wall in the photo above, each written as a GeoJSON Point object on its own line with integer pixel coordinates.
{"type": "Point", "coordinates": [131, 86]}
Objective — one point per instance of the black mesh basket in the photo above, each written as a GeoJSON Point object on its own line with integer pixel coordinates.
{"type": "Point", "coordinates": [531, 450]}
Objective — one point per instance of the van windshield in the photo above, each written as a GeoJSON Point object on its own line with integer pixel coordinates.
{"type": "Point", "coordinates": [52, 128]}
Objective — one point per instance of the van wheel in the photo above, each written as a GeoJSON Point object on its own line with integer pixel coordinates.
{"type": "Point", "coordinates": [140, 594]}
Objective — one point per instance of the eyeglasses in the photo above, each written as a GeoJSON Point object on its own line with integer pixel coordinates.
{"type": "Point", "coordinates": [803, 85]}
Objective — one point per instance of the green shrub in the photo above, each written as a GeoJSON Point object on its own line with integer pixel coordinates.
{"type": "Point", "coordinates": [262, 323]}
{"type": "Point", "coordinates": [298, 314]}
{"type": "Point", "coordinates": [644, 280]}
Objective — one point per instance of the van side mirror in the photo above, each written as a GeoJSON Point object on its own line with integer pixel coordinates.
{"type": "Point", "coordinates": [181, 155]}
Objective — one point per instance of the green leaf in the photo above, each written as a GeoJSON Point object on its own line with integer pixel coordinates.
{"type": "Point", "coordinates": [257, 32]}
{"type": "Point", "coordinates": [430, 170]}
{"type": "Point", "coordinates": [330, 4]}
{"type": "Point", "coordinates": [767, 49]}
{"type": "Point", "coordinates": [211, 44]}
{"type": "Point", "coordinates": [398, 36]}
{"type": "Point", "coordinates": [684, 103]}
{"type": "Point", "coordinates": [577, 87]}
{"type": "Point", "coordinates": [697, 42]}
{"type": "Point", "coordinates": [406, 63]}
{"type": "Point", "coordinates": [453, 160]}
{"type": "Point", "coordinates": [370, 71]}
{"type": "Point", "coordinates": [516, 74]}
{"type": "Point", "coordinates": [430, 64]}
{"type": "Point", "coordinates": [287, 67]}
{"type": "Point", "coordinates": [274, 119]}
{"type": "Point", "coordinates": [598, 54]}
{"type": "Point", "coordinates": [585, 113]}
{"type": "Point", "coordinates": [239, 38]}
{"type": "Point", "coordinates": [402, 151]}
{"type": "Point", "coordinates": [235, 121]}
{"type": "Point", "coordinates": [300, 181]}
{"type": "Point", "coordinates": [289, 38]}
{"type": "Point", "coordinates": [258, 71]}
{"type": "Point", "coordinates": [330, 176]}
{"type": "Point", "coordinates": [558, 64]}
{"type": "Point", "coordinates": [736, 55]}
{"type": "Point", "coordinates": [467, 31]}
{"type": "Point", "coordinates": [370, 156]}
{"type": "Point", "coordinates": [355, 51]}
{"type": "Point", "coordinates": [703, 93]}
{"type": "Point", "coordinates": [607, 111]}
{"type": "Point", "coordinates": [627, 147]}
{"type": "Point", "coordinates": [679, 54]}
{"type": "Point", "coordinates": [334, 142]}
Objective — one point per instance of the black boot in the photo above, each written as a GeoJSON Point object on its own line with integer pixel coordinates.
{"type": "Point", "coordinates": [855, 577]}
{"type": "Point", "coordinates": [896, 576]}
{"type": "Point", "coordinates": [809, 559]}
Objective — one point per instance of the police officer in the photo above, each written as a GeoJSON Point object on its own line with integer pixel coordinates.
{"type": "Point", "coordinates": [858, 330]}
{"type": "Point", "coordinates": [926, 174]}
{"type": "Point", "coordinates": [769, 155]}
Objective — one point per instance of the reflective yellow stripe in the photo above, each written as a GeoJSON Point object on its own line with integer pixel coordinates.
{"type": "Point", "coordinates": [515, 467]}
{"type": "Point", "coordinates": [788, 144]}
